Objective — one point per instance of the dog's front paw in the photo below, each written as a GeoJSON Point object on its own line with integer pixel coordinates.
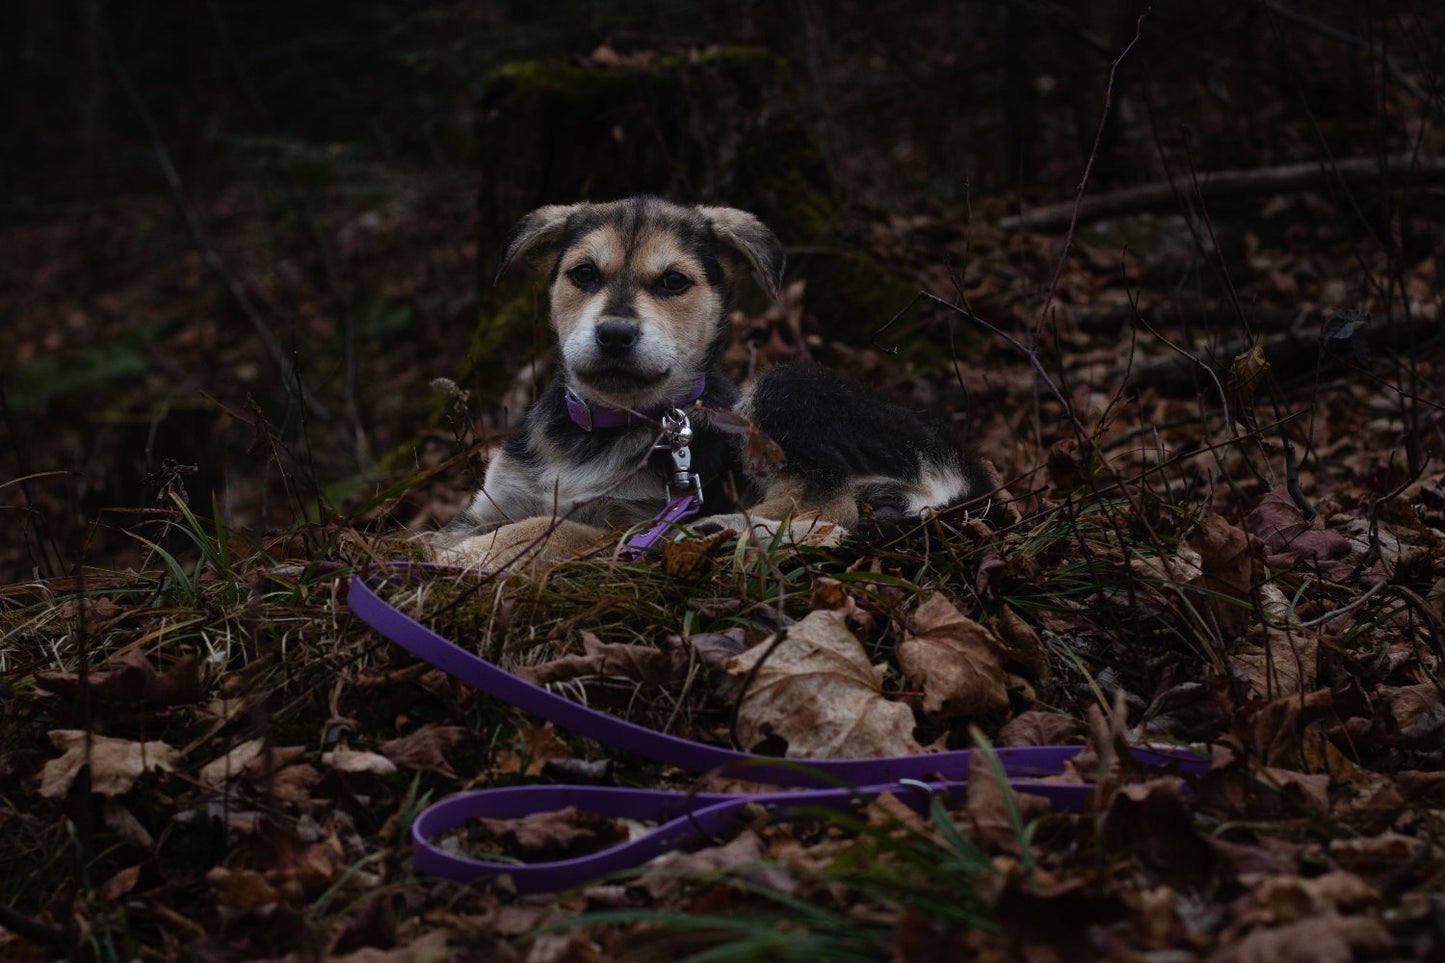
{"type": "Point", "coordinates": [814, 530]}
{"type": "Point", "coordinates": [809, 529]}
{"type": "Point", "coordinates": [529, 545]}
{"type": "Point", "coordinates": [736, 522]}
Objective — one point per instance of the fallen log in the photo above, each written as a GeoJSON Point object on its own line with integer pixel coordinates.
{"type": "Point", "coordinates": [1399, 170]}
{"type": "Point", "coordinates": [1293, 356]}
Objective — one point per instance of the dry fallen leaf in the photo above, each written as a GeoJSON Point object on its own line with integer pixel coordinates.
{"type": "Point", "coordinates": [1245, 374]}
{"type": "Point", "coordinates": [554, 834]}
{"type": "Point", "coordinates": [1022, 644]}
{"type": "Point", "coordinates": [231, 765]}
{"type": "Point", "coordinates": [691, 557]}
{"type": "Point", "coordinates": [129, 681]}
{"type": "Point", "coordinates": [1287, 536]}
{"type": "Point", "coordinates": [1066, 469]}
{"type": "Point", "coordinates": [1227, 558]}
{"type": "Point", "coordinates": [743, 856]}
{"type": "Point", "coordinates": [1417, 712]}
{"type": "Point", "coordinates": [988, 817]}
{"type": "Point", "coordinates": [242, 889]}
{"type": "Point", "coordinates": [121, 883]}
{"type": "Point", "coordinates": [1152, 820]}
{"type": "Point", "coordinates": [430, 948]}
{"type": "Point", "coordinates": [1328, 938]}
{"type": "Point", "coordinates": [355, 760]}
{"type": "Point", "coordinates": [115, 764]}
{"type": "Point", "coordinates": [1307, 788]}
{"type": "Point", "coordinates": [1377, 854]}
{"type": "Point", "coordinates": [423, 748]}
{"type": "Point", "coordinates": [1283, 899]}
{"type": "Point", "coordinates": [761, 454]}
{"type": "Point", "coordinates": [1154, 915]}
{"type": "Point", "coordinates": [91, 615]}
{"type": "Point", "coordinates": [1287, 665]}
{"type": "Point", "coordinates": [121, 821]}
{"type": "Point", "coordinates": [1272, 732]}
{"type": "Point", "coordinates": [293, 783]}
{"type": "Point", "coordinates": [1180, 565]}
{"type": "Point", "coordinates": [957, 662]}
{"type": "Point", "coordinates": [1038, 728]}
{"type": "Point", "coordinates": [639, 663]}
{"type": "Point", "coordinates": [829, 593]}
{"type": "Point", "coordinates": [817, 691]}
{"type": "Point", "coordinates": [534, 747]}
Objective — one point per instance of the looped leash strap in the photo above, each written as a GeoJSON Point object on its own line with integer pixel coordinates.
{"type": "Point", "coordinates": [682, 818]}
{"type": "Point", "coordinates": [686, 816]}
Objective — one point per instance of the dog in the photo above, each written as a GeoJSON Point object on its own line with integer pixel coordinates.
{"type": "Point", "coordinates": [640, 291]}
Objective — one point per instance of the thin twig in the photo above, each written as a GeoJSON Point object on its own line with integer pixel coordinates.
{"type": "Point", "coordinates": [234, 286]}
{"type": "Point", "coordinates": [52, 560]}
{"type": "Point", "coordinates": [329, 269]}
{"type": "Point", "coordinates": [1431, 103]}
{"type": "Point", "coordinates": [1084, 180]}
{"type": "Point", "coordinates": [1347, 607]}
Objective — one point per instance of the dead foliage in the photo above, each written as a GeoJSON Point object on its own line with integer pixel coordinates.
{"type": "Point", "coordinates": [206, 756]}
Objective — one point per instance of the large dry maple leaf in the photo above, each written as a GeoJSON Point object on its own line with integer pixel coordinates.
{"type": "Point", "coordinates": [957, 662]}
{"type": "Point", "coordinates": [817, 691]}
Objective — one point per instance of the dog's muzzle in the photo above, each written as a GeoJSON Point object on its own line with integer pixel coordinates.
{"type": "Point", "coordinates": [617, 362]}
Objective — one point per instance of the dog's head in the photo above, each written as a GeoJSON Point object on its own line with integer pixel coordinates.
{"type": "Point", "coordinates": [641, 289]}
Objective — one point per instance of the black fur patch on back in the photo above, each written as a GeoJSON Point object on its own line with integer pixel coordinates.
{"type": "Point", "coordinates": [835, 434]}
{"type": "Point", "coordinates": [832, 430]}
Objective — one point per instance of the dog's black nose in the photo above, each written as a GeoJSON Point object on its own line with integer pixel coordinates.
{"type": "Point", "coordinates": [616, 335]}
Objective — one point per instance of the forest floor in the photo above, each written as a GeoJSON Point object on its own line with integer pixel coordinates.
{"type": "Point", "coordinates": [1218, 439]}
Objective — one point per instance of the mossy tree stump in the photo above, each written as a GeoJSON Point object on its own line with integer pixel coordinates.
{"type": "Point", "coordinates": [725, 126]}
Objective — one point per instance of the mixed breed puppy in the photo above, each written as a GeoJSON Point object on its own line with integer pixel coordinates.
{"type": "Point", "coordinates": [641, 291]}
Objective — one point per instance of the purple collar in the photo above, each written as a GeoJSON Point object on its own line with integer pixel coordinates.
{"type": "Point", "coordinates": [587, 416]}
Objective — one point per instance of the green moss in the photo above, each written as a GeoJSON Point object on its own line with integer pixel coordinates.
{"type": "Point", "coordinates": [724, 126]}
{"type": "Point", "coordinates": [852, 297]}
{"type": "Point", "coordinates": [98, 369]}
{"type": "Point", "coordinates": [512, 328]}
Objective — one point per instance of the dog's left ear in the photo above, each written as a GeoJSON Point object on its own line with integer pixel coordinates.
{"type": "Point", "coordinates": [752, 239]}
{"type": "Point", "coordinates": [536, 234]}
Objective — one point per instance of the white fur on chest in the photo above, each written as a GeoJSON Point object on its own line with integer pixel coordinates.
{"type": "Point", "coordinates": [614, 487]}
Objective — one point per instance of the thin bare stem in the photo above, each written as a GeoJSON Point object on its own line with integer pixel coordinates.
{"type": "Point", "coordinates": [1084, 180]}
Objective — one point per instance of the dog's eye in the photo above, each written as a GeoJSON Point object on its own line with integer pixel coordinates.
{"type": "Point", "coordinates": [585, 276]}
{"type": "Point", "coordinates": [673, 282]}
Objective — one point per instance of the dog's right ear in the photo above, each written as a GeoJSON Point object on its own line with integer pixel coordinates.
{"type": "Point", "coordinates": [754, 241]}
{"type": "Point", "coordinates": [536, 235]}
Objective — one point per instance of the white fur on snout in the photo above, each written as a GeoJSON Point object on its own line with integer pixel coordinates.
{"type": "Point", "coordinates": [655, 351]}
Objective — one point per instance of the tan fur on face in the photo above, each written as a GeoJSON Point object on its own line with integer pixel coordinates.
{"type": "Point", "coordinates": [675, 330]}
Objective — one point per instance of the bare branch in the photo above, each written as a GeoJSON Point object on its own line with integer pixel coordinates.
{"type": "Point", "coordinates": [1402, 169]}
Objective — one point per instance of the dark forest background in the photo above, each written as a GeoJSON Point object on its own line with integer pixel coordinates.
{"type": "Point", "coordinates": [237, 232]}
{"type": "Point", "coordinates": [916, 97]}
{"type": "Point", "coordinates": [1174, 269]}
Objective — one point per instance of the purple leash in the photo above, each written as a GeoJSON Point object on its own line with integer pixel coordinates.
{"type": "Point", "coordinates": [683, 816]}
{"type": "Point", "coordinates": [676, 441]}
{"type": "Point", "coordinates": [678, 509]}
